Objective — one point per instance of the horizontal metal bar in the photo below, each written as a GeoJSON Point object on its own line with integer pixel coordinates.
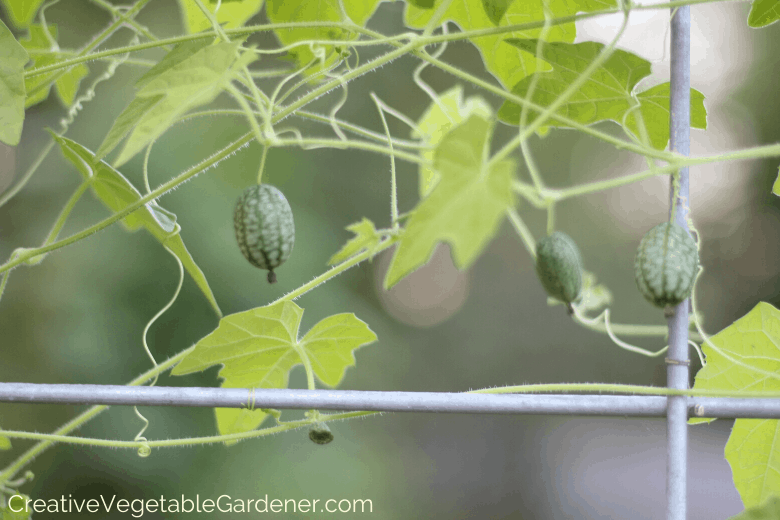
{"type": "Point", "coordinates": [542, 404]}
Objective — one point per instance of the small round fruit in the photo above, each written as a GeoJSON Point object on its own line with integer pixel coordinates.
{"type": "Point", "coordinates": [319, 433]}
{"type": "Point", "coordinates": [559, 266]}
{"type": "Point", "coordinates": [264, 226]}
{"type": "Point", "coordinates": [666, 265]}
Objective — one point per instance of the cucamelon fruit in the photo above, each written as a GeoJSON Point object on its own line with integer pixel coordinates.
{"type": "Point", "coordinates": [666, 265]}
{"type": "Point", "coordinates": [559, 267]}
{"type": "Point", "coordinates": [264, 227]}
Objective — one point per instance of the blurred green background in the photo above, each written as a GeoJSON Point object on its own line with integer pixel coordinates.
{"type": "Point", "coordinates": [78, 316]}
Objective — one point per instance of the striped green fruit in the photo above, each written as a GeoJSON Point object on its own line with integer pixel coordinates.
{"type": "Point", "coordinates": [666, 265]}
{"type": "Point", "coordinates": [264, 226]}
{"type": "Point", "coordinates": [559, 266]}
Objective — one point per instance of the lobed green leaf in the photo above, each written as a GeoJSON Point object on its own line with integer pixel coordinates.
{"type": "Point", "coordinates": [38, 87]}
{"type": "Point", "coordinates": [447, 111]}
{"type": "Point", "coordinates": [751, 450]}
{"type": "Point", "coordinates": [259, 347]}
{"type": "Point", "coordinates": [465, 208]}
{"type": "Point", "coordinates": [12, 92]}
{"type": "Point", "coordinates": [193, 74]}
{"type": "Point", "coordinates": [116, 193]}
{"type": "Point", "coordinates": [508, 64]}
{"type": "Point", "coordinates": [606, 95]}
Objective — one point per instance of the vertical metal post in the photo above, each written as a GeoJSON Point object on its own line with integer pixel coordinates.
{"type": "Point", "coordinates": [677, 362]}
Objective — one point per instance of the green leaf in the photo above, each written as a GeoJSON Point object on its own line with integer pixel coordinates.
{"type": "Point", "coordinates": [192, 77]}
{"type": "Point", "coordinates": [752, 449]}
{"type": "Point", "coordinates": [281, 11]}
{"type": "Point", "coordinates": [606, 95]}
{"type": "Point", "coordinates": [763, 13]}
{"type": "Point", "coordinates": [450, 110]}
{"type": "Point", "coordinates": [22, 11]}
{"type": "Point", "coordinates": [654, 105]}
{"type": "Point", "coordinates": [5, 442]}
{"type": "Point", "coordinates": [116, 193]}
{"type": "Point", "coordinates": [776, 187]}
{"type": "Point", "coordinates": [18, 502]}
{"type": "Point", "coordinates": [495, 9]}
{"type": "Point", "coordinates": [12, 93]}
{"type": "Point", "coordinates": [465, 208]}
{"type": "Point", "coordinates": [39, 48]}
{"type": "Point", "coordinates": [508, 64]}
{"type": "Point", "coordinates": [231, 14]}
{"type": "Point", "coordinates": [366, 239]}
{"type": "Point", "coordinates": [768, 511]}
{"type": "Point", "coordinates": [259, 347]}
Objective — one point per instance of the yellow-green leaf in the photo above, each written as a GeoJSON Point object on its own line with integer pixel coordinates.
{"type": "Point", "coordinates": [231, 14]}
{"type": "Point", "coordinates": [5, 442]}
{"type": "Point", "coordinates": [116, 193]}
{"type": "Point", "coordinates": [192, 75]}
{"type": "Point", "coordinates": [752, 450]}
{"type": "Point", "coordinates": [281, 11]}
{"type": "Point", "coordinates": [442, 115]}
{"type": "Point", "coordinates": [39, 48]}
{"type": "Point", "coordinates": [12, 91]}
{"type": "Point", "coordinates": [466, 206]}
{"type": "Point", "coordinates": [22, 11]}
{"type": "Point", "coordinates": [366, 239]}
{"type": "Point", "coordinates": [259, 347]}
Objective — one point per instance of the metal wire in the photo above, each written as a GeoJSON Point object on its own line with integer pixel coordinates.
{"type": "Point", "coordinates": [442, 402]}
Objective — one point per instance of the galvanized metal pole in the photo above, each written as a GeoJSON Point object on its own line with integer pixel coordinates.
{"type": "Point", "coordinates": [349, 400]}
{"type": "Point", "coordinates": [677, 362]}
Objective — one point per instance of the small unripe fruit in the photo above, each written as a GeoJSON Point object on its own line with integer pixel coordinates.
{"type": "Point", "coordinates": [666, 265]}
{"type": "Point", "coordinates": [319, 433]}
{"type": "Point", "coordinates": [559, 266]}
{"type": "Point", "coordinates": [264, 226]}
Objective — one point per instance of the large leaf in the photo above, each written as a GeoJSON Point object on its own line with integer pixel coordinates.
{"type": "Point", "coordinates": [508, 64]}
{"type": "Point", "coordinates": [39, 48]}
{"type": "Point", "coordinates": [259, 347]}
{"type": "Point", "coordinates": [22, 11]}
{"type": "Point", "coordinates": [752, 449]}
{"type": "Point", "coordinates": [776, 185]}
{"type": "Point", "coordinates": [764, 12]}
{"type": "Point", "coordinates": [116, 192]}
{"type": "Point", "coordinates": [282, 11]}
{"type": "Point", "coordinates": [12, 92]}
{"type": "Point", "coordinates": [231, 14]}
{"type": "Point", "coordinates": [768, 511]}
{"type": "Point", "coordinates": [606, 93]}
{"type": "Point", "coordinates": [192, 75]}
{"type": "Point", "coordinates": [448, 111]}
{"type": "Point", "coordinates": [466, 206]}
